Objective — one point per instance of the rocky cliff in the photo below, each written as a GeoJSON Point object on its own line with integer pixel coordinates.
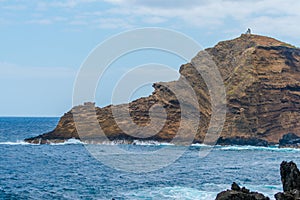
{"type": "Point", "coordinates": [262, 80]}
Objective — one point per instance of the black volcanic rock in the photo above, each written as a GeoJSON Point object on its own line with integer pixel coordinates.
{"type": "Point", "coordinates": [290, 178]}
{"type": "Point", "coordinates": [237, 193]}
{"type": "Point", "coordinates": [289, 140]}
{"type": "Point", "coordinates": [242, 141]}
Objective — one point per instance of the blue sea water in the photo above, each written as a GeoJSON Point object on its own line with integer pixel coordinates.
{"type": "Point", "coordinates": [69, 171]}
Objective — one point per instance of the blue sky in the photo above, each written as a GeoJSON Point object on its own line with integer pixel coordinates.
{"type": "Point", "coordinates": [43, 43]}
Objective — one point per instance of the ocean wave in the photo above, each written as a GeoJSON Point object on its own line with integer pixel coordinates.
{"type": "Point", "coordinates": [201, 145]}
{"type": "Point", "coordinates": [18, 142]}
{"type": "Point", "coordinates": [207, 191]}
{"type": "Point", "coordinates": [255, 148]}
{"type": "Point", "coordinates": [68, 142]}
{"type": "Point", "coordinates": [171, 193]}
{"type": "Point", "coordinates": [135, 142]}
{"type": "Point", "coordinates": [74, 141]}
{"type": "Point", "coordinates": [151, 143]}
{"type": "Point", "coordinates": [268, 190]}
{"type": "Point", "coordinates": [22, 142]}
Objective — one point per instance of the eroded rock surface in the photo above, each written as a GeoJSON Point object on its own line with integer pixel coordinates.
{"type": "Point", "coordinates": [289, 140]}
{"type": "Point", "coordinates": [290, 178]}
{"type": "Point", "coordinates": [262, 81]}
{"type": "Point", "coordinates": [237, 193]}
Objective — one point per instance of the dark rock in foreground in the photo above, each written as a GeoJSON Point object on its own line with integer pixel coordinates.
{"type": "Point", "coordinates": [237, 193]}
{"type": "Point", "coordinates": [289, 140]}
{"type": "Point", "coordinates": [290, 178]}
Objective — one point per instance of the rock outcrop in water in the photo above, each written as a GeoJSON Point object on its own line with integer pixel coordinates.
{"type": "Point", "coordinates": [290, 178]}
{"type": "Point", "coordinates": [237, 193]}
{"type": "Point", "coordinates": [289, 140]}
{"type": "Point", "coordinates": [242, 141]}
{"type": "Point", "coordinates": [262, 80]}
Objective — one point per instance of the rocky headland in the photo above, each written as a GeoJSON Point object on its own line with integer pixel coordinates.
{"type": "Point", "coordinates": [262, 81]}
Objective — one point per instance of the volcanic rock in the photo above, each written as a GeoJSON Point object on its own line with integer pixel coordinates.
{"type": "Point", "coordinates": [262, 81]}
{"type": "Point", "coordinates": [290, 178]}
{"type": "Point", "coordinates": [237, 193]}
{"type": "Point", "coordinates": [289, 140]}
{"type": "Point", "coordinates": [242, 141]}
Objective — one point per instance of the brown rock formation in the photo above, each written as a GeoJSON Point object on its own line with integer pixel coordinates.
{"type": "Point", "coordinates": [262, 80]}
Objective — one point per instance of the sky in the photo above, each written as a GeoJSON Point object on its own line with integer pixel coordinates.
{"type": "Point", "coordinates": [44, 43]}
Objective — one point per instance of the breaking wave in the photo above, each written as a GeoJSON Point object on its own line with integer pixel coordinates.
{"type": "Point", "coordinates": [187, 193]}
{"type": "Point", "coordinates": [74, 141]}
{"type": "Point", "coordinates": [171, 193]}
{"type": "Point", "coordinates": [68, 142]}
{"type": "Point", "coordinates": [18, 142]}
{"type": "Point", "coordinates": [255, 148]}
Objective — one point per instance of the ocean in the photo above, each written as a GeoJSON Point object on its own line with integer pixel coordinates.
{"type": "Point", "coordinates": [69, 171]}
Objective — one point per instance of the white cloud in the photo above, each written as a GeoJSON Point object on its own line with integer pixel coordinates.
{"type": "Point", "coordinates": [268, 16]}
{"type": "Point", "coordinates": [42, 5]}
{"type": "Point", "coordinates": [284, 25]}
{"type": "Point", "coordinates": [265, 16]}
{"type": "Point", "coordinates": [112, 23]}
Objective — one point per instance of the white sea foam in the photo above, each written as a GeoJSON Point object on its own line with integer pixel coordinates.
{"type": "Point", "coordinates": [256, 148]}
{"type": "Point", "coordinates": [74, 141]}
{"type": "Point", "coordinates": [114, 142]}
{"type": "Point", "coordinates": [22, 142]}
{"type": "Point", "coordinates": [176, 192]}
{"type": "Point", "coordinates": [18, 142]}
{"type": "Point", "coordinates": [186, 193]}
{"type": "Point", "coordinates": [68, 142]}
{"type": "Point", "coordinates": [201, 145]}
{"type": "Point", "coordinates": [151, 143]}
{"type": "Point", "coordinates": [135, 142]}
{"type": "Point", "coordinates": [267, 190]}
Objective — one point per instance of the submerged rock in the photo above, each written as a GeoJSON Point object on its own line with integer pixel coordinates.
{"type": "Point", "coordinates": [237, 193]}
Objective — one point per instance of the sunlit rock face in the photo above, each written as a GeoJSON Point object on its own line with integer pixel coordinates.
{"type": "Point", "coordinates": [262, 81]}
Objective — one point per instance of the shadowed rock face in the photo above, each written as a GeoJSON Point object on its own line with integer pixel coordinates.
{"type": "Point", "coordinates": [290, 178]}
{"type": "Point", "coordinates": [262, 80]}
{"type": "Point", "coordinates": [289, 140]}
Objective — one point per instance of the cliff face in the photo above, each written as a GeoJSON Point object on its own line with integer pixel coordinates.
{"type": "Point", "coordinates": [262, 80]}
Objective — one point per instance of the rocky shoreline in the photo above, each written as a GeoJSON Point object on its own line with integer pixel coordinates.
{"type": "Point", "coordinates": [289, 140]}
{"type": "Point", "coordinates": [290, 178]}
